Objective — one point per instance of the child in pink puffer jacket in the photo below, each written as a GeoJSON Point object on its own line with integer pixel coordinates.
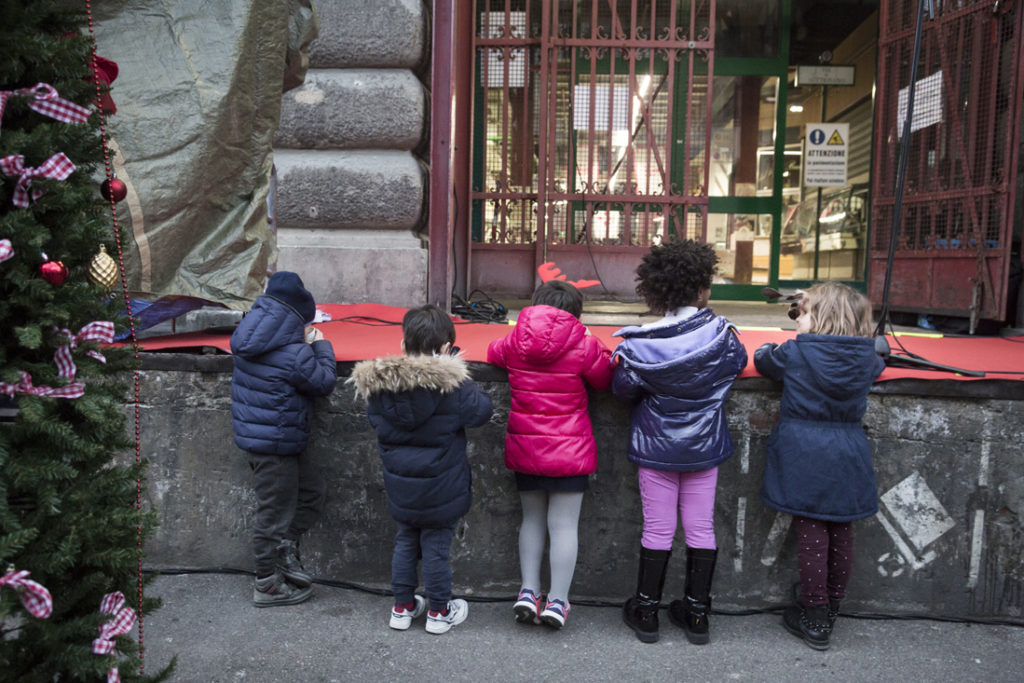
{"type": "Point", "coordinates": [551, 358]}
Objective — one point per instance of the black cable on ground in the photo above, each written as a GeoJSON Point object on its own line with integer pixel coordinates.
{"type": "Point", "coordinates": [484, 310]}
{"type": "Point", "coordinates": [770, 609]}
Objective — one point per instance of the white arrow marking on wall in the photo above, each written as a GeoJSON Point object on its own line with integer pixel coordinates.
{"type": "Point", "coordinates": [918, 514]}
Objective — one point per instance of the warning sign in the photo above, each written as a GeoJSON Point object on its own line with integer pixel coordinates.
{"type": "Point", "coordinates": [826, 150]}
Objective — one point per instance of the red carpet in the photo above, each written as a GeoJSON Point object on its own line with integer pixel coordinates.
{"type": "Point", "coordinates": [361, 331]}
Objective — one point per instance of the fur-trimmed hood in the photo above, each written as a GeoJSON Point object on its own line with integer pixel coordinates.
{"type": "Point", "coordinates": [396, 374]}
{"type": "Point", "coordinates": [407, 390]}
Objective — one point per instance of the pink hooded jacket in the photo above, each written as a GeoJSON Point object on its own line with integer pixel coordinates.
{"type": "Point", "coordinates": [550, 359]}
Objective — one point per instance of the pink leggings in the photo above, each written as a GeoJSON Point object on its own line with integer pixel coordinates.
{"type": "Point", "coordinates": [692, 493]}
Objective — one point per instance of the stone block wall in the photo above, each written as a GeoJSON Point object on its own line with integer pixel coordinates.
{"type": "Point", "coordinates": [948, 540]}
{"type": "Point", "coordinates": [351, 185]}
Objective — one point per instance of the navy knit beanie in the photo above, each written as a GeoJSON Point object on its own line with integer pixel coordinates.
{"type": "Point", "coordinates": [287, 288]}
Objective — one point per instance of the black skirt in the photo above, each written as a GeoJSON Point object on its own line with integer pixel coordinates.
{"type": "Point", "coordinates": [536, 482]}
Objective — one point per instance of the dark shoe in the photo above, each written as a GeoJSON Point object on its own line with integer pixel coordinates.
{"type": "Point", "coordinates": [275, 590]}
{"type": "Point", "coordinates": [290, 566]}
{"type": "Point", "coordinates": [833, 604]}
{"type": "Point", "coordinates": [808, 623]}
{"type": "Point", "coordinates": [640, 612]}
{"type": "Point", "coordinates": [642, 618]}
{"type": "Point", "coordinates": [692, 614]}
{"type": "Point", "coordinates": [692, 617]}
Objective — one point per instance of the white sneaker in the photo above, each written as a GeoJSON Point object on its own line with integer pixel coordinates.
{"type": "Point", "coordinates": [438, 623]}
{"type": "Point", "coordinates": [401, 619]}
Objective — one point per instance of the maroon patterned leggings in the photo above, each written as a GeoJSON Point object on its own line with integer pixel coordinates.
{"type": "Point", "coordinates": [825, 553]}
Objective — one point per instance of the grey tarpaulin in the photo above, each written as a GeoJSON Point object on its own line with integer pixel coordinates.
{"type": "Point", "coordinates": [198, 100]}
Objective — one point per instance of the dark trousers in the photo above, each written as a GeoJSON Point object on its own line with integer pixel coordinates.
{"type": "Point", "coordinates": [433, 546]}
{"type": "Point", "coordinates": [825, 554]}
{"type": "Point", "coordinates": [289, 499]}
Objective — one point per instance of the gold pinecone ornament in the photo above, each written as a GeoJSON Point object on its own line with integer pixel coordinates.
{"type": "Point", "coordinates": [103, 269]}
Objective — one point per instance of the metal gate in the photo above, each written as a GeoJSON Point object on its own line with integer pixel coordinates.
{"type": "Point", "coordinates": [591, 131]}
{"type": "Point", "coordinates": [952, 255]}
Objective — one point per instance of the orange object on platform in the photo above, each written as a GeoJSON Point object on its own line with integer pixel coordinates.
{"type": "Point", "coordinates": [361, 331]}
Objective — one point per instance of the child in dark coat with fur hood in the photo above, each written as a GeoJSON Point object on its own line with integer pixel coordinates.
{"type": "Point", "coordinates": [420, 404]}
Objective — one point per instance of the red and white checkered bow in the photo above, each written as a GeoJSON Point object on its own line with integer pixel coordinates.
{"type": "Point", "coordinates": [34, 596]}
{"type": "Point", "coordinates": [73, 390]}
{"type": "Point", "coordinates": [124, 619]}
{"type": "Point", "coordinates": [101, 331]}
{"type": "Point", "coordinates": [58, 167]}
{"type": "Point", "coordinates": [47, 102]}
{"type": "Point", "coordinates": [6, 250]}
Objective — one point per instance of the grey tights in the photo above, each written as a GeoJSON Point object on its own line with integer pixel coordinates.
{"type": "Point", "coordinates": [554, 513]}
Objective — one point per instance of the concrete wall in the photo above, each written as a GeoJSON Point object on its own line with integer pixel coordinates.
{"type": "Point", "coordinates": [949, 458]}
{"type": "Point", "coordinates": [351, 187]}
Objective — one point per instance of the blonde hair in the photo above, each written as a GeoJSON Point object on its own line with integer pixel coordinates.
{"type": "Point", "coordinates": [835, 308]}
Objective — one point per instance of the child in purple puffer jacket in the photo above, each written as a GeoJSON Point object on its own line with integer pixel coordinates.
{"type": "Point", "coordinates": [677, 372]}
{"type": "Point", "coordinates": [551, 359]}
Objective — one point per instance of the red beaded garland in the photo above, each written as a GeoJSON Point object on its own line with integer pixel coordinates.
{"type": "Point", "coordinates": [131, 319]}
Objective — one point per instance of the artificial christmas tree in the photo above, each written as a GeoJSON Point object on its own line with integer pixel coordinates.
{"type": "Point", "coordinates": [70, 508]}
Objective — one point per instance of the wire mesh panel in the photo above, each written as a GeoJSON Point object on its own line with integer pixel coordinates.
{"type": "Point", "coordinates": [595, 122]}
{"type": "Point", "coordinates": [953, 241]}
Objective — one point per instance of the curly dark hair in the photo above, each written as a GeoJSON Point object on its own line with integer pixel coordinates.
{"type": "Point", "coordinates": [674, 274]}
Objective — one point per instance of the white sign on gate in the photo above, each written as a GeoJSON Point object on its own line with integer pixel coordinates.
{"type": "Point", "coordinates": [826, 151]}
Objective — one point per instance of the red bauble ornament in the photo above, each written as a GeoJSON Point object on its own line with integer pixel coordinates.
{"type": "Point", "coordinates": [54, 272]}
{"type": "Point", "coordinates": [113, 189]}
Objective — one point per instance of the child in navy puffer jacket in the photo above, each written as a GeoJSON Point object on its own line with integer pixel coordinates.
{"type": "Point", "coordinates": [551, 359]}
{"type": "Point", "coordinates": [819, 460]}
{"type": "Point", "coordinates": [420, 404]}
{"type": "Point", "coordinates": [677, 372]}
{"type": "Point", "coordinates": [280, 366]}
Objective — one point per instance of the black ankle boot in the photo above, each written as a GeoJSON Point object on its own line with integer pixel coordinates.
{"type": "Point", "coordinates": [641, 611]}
{"type": "Point", "coordinates": [811, 624]}
{"type": "Point", "coordinates": [692, 614]}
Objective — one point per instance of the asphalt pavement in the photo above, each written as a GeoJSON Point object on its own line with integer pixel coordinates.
{"type": "Point", "coordinates": [209, 623]}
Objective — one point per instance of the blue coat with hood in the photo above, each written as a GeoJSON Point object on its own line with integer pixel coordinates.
{"type": "Point", "coordinates": [420, 407]}
{"type": "Point", "coordinates": [276, 376]}
{"type": "Point", "coordinates": [678, 376]}
{"type": "Point", "coordinates": [818, 456]}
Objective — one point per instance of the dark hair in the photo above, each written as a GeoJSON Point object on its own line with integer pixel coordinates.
{"type": "Point", "coordinates": [561, 295]}
{"type": "Point", "coordinates": [674, 274]}
{"type": "Point", "coordinates": [426, 329]}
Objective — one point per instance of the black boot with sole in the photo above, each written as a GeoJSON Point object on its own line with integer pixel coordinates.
{"type": "Point", "coordinates": [811, 624]}
{"type": "Point", "coordinates": [641, 611]}
{"type": "Point", "coordinates": [691, 614]}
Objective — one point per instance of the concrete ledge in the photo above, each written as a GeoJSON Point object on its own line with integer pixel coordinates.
{"type": "Point", "coordinates": [356, 33]}
{"type": "Point", "coordinates": [364, 189]}
{"type": "Point", "coordinates": [357, 266]}
{"type": "Point", "coordinates": [354, 109]}
{"type": "Point", "coordinates": [948, 539]}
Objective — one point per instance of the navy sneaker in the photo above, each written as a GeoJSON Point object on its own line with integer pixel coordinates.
{"type": "Point", "coordinates": [527, 607]}
{"type": "Point", "coordinates": [555, 613]}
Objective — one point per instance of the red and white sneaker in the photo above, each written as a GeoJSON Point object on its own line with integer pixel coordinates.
{"type": "Point", "coordinates": [401, 618]}
{"type": "Point", "coordinates": [555, 613]}
{"type": "Point", "coordinates": [527, 607]}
